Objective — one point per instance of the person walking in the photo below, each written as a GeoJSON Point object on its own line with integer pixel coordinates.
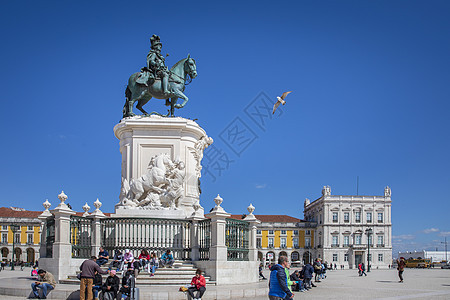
{"type": "Point", "coordinates": [261, 271]}
{"type": "Point", "coordinates": [401, 264]}
{"type": "Point", "coordinates": [46, 283]}
{"type": "Point", "coordinates": [88, 268]}
{"type": "Point", "coordinates": [307, 274]}
{"type": "Point", "coordinates": [278, 284]}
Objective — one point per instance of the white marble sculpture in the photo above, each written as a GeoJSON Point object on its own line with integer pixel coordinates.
{"type": "Point", "coordinates": [159, 188]}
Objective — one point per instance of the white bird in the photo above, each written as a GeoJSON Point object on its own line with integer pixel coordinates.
{"type": "Point", "coordinates": [280, 101]}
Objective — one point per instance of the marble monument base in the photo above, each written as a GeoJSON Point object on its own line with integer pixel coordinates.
{"type": "Point", "coordinates": [161, 166]}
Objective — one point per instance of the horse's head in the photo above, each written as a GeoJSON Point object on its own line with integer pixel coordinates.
{"type": "Point", "coordinates": [190, 67]}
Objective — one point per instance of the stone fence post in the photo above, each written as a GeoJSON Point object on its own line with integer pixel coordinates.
{"type": "Point", "coordinates": [194, 235]}
{"type": "Point", "coordinates": [253, 223]}
{"type": "Point", "coordinates": [218, 249]}
{"type": "Point", "coordinates": [43, 218]}
{"type": "Point", "coordinates": [62, 247]}
{"type": "Point", "coordinates": [96, 217]}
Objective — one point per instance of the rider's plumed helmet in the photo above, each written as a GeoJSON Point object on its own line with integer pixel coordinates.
{"type": "Point", "coordinates": [155, 40]}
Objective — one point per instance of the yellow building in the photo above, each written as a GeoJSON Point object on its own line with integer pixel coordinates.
{"type": "Point", "coordinates": [21, 228]}
{"type": "Point", "coordinates": [284, 235]}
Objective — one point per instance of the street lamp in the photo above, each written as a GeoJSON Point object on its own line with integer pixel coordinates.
{"type": "Point", "coordinates": [445, 243]}
{"type": "Point", "coordinates": [14, 228]}
{"type": "Point", "coordinates": [368, 232]}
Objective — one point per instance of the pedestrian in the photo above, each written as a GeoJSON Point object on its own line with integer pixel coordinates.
{"type": "Point", "coordinates": [261, 271]}
{"type": "Point", "coordinates": [111, 286]}
{"type": "Point", "coordinates": [88, 268]}
{"type": "Point", "coordinates": [317, 269]}
{"type": "Point", "coordinates": [278, 284]}
{"type": "Point", "coordinates": [362, 269]}
{"type": "Point", "coordinates": [198, 285]}
{"type": "Point", "coordinates": [117, 260]}
{"type": "Point", "coordinates": [46, 283]}
{"type": "Point", "coordinates": [153, 263]}
{"type": "Point", "coordinates": [167, 259]}
{"type": "Point", "coordinates": [401, 264]}
{"type": "Point", "coordinates": [97, 284]}
{"type": "Point", "coordinates": [103, 256]}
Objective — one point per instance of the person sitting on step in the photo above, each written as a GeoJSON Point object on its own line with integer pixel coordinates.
{"type": "Point", "coordinates": [167, 259]}
{"type": "Point", "coordinates": [46, 283]}
{"type": "Point", "coordinates": [154, 264]}
{"type": "Point", "coordinates": [198, 285]}
{"type": "Point", "coordinates": [111, 286]}
{"type": "Point", "coordinates": [117, 260]}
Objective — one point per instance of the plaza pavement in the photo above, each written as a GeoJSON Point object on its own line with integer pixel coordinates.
{"type": "Point", "coordinates": [340, 284]}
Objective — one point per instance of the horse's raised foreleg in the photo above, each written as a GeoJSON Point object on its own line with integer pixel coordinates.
{"type": "Point", "coordinates": [180, 94]}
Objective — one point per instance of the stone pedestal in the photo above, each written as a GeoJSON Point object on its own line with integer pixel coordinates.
{"type": "Point", "coordinates": [143, 138]}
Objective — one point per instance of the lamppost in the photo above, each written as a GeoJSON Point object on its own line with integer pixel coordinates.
{"type": "Point", "coordinates": [445, 244]}
{"type": "Point", "coordinates": [14, 228]}
{"type": "Point", "coordinates": [368, 232]}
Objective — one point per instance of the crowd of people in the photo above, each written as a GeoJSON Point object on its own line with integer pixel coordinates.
{"type": "Point", "coordinates": [91, 281]}
{"type": "Point", "coordinates": [282, 283]}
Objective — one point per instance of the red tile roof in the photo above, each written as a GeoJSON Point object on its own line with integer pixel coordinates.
{"type": "Point", "coordinates": [271, 218]}
{"type": "Point", "coordinates": [11, 213]}
{"type": "Point", "coordinates": [7, 212]}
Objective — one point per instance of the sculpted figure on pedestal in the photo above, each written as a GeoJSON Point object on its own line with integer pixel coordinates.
{"type": "Point", "coordinates": [157, 81]}
{"type": "Point", "coordinates": [161, 187]}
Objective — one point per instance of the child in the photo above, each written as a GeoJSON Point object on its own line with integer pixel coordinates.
{"type": "Point", "coordinates": [34, 273]}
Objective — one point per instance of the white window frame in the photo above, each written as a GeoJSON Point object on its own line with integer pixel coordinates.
{"type": "Point", "coordinates": [346, 217]}
{"type": "Point", "coordinates": [307, 242]}
{"type": "Point", "coordinates": [295, 242]}
{"type": "Point", "coordinates": [283, 243]}
{"type": "Point", "coordinates": [369, 220]}
{"type": "Point", "coordinates": [345, 257]}
{"type": "Point", "coordinates": [335, 240]}
{"type": "Point", "coordinates": [358, 239]}
{"type": "Point", "coordinates": [270, 242]}
{"type": "Point", "coordinates": [17, 238]}
{"type": "Point", "coordinates": [380, 217]}
{"type": "Point", "coordinates": [335, 257]}
{"type": "Point", "coordinates": [4, 238]}
{"type": "Point", "coordinates": [380, 257]}
{"type": "Point", "coordinates": [346, 240]}
{"type": "Point", "coordinates": [357, 216]}
{"type": "Point", "coordinates": [335, 217]}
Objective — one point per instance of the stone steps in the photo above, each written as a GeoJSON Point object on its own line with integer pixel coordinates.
{"type": "Point", "coordinates": [180, 274]}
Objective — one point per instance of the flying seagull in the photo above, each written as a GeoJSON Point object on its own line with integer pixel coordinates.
{"type": "Point", "coordinates": [280, 101]}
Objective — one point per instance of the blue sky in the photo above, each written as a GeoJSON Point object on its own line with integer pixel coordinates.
{"type": "Point", "coordinates": [370, 82]}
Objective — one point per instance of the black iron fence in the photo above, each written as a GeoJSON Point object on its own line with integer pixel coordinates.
{"type": "Point", "coordinates": [80, 237]}
{"type": "Point", "coordinates": [50, 237]}
{"type": "Point", "coordinates": [236, 239]}
{"type": "Point", "coordinates": [204, 238]}
{"type": "Point", "coordinates": [147, 233]}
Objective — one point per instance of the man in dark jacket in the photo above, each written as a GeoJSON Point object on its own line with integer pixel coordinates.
{"type": "Point", "coordinates": [127, 282]}
{"type": "Point", "coordinates": [88, 268]}
{"type": "Point", "coordinates": [307, 272]}
{"type": "Point", "coordinates": [278, 286]}
{"type": "Point", "coordinates": [98, 282]}
{"type": "Point", "coordinates": [111, 286]}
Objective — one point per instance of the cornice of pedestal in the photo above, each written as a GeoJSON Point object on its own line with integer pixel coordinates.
{"type": "Point", "coordinates": [158, 123]}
